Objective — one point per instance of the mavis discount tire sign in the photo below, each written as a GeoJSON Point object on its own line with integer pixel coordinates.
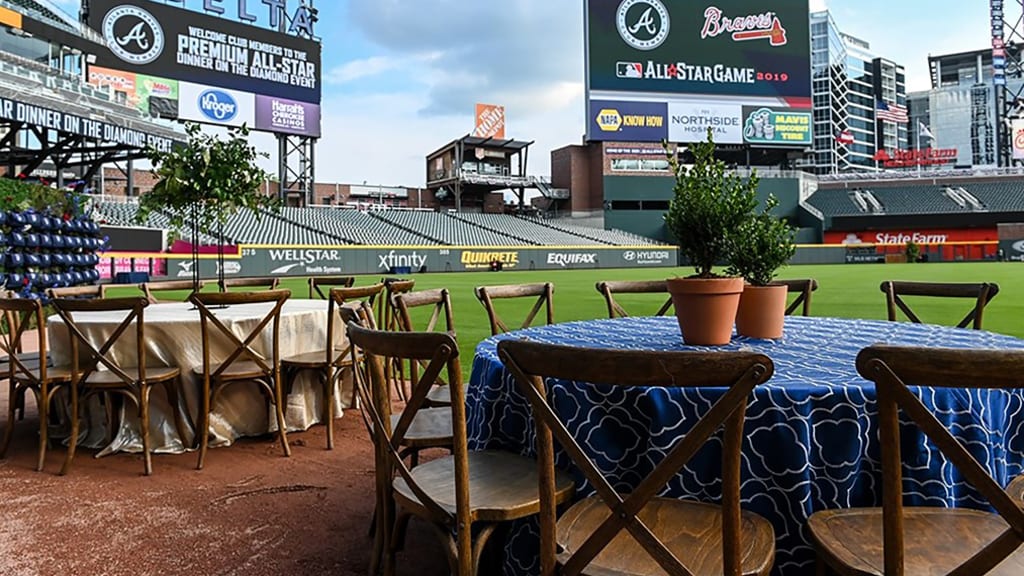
{"type": "Point", "coordinates": [738, 48]}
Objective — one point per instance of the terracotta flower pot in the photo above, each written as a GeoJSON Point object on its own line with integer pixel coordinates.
{"type": "Point", "coordinates": [762, 311]}
{"type": "Point", "coordinates": [706, 308]}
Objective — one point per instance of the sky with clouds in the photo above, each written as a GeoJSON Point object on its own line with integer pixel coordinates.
{"type": "Point", "coordinates": [401, 77]}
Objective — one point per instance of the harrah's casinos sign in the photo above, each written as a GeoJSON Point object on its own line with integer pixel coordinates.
{"type": "Point", "coordinates": [715, 47]}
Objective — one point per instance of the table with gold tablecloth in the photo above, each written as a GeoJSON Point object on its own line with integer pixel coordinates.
{"type": "Point", "coordinates": [173, 338]}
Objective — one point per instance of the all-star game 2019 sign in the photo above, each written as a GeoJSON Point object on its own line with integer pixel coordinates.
{"type": "Point", "coordinates": [691, 54]}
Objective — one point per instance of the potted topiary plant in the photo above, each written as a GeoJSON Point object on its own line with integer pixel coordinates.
{"type": "Point", "coordinates": [764, 244]}
{"type": "Point", "coordinates": [204, 183]}
{"type": "Point", "coordinates": [709, 205]}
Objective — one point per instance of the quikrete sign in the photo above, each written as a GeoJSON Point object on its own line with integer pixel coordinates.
{"type": "Point", "coordinates": [479, 260]}
{"type": "Point", "coordinates": [914, 158]}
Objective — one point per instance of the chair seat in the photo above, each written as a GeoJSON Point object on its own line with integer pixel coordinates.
{"type": "Point", "coordinates": [244, 370]}
{"type": "Point", "coordinates": [430, 428]}
{"type": "Point", "coordinates": [691, 530]}
{"type": "Point", "coordinates": [53, 374]}
{"type": "Point", "coordinates": [936, 539]}
{"type": "Point", "coordinates": [311, 360]}
{"type": "Point", "coordinates": [1016, 489]}
{"type": "Point", "coordinates": [502, 485]}
{"type": "Point", "coordinates": [153, 374]}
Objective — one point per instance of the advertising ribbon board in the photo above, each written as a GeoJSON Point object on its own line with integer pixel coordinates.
{"type": "Point", "coordinates": [722, 48]}
{"type": "Point", "coordinates": [628, 121]}
{"type": "Point", "coordinates": [768, 126]}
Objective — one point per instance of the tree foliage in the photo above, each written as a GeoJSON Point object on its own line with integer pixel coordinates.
{"type": "Point", "coordinates": [764, 244]}
{"type": "Point", "coordinates": [216, 177]}
{"type": "Point", "coordinates": [709, 206]}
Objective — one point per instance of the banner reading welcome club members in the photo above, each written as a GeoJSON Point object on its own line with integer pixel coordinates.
{"type": "Point", "coordinates": [683, 52]}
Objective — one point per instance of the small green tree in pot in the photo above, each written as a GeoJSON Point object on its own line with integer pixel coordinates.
{"type": "Point", "coordinates": [709, 205]}
{"type": "Point", "coordinates": [202, 184]}
{"type": "Point", "coordinates": [764, 244]}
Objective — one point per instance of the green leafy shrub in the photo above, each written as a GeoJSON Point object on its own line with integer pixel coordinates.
{"type": "Point", "coordinates": [709, 206]}
{"type": "Point", "coordinates": [764, 244]}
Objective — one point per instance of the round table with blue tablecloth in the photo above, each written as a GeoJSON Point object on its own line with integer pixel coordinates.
{"type": "Point", "coordinates": [811, 435]}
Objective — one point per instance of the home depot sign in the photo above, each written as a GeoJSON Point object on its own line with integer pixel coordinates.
{"type": "Point", "coordinates": [490, 121]}
{"type": "Point", "coordinates": [913, 158]}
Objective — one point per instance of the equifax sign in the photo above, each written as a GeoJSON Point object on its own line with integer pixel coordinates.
{"type": "Point", "coordinates": [913, 158]}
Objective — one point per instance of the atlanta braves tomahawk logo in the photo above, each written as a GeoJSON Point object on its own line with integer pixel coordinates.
{"type": "Point", "coordinates": [133, 34]}
{"type": "Point", "coordinates": [643, 24]}
{"type": "Point", "coordinates": [745, 27]}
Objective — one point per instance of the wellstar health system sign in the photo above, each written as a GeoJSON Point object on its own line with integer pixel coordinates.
{"type": "Point", "coordinates": [699, 54]}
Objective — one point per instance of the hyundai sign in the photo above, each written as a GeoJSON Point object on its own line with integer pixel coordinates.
{"type": "Point", "coordinates": [149, 43]}
{"type": "Point", "coordinates": [689, 54]}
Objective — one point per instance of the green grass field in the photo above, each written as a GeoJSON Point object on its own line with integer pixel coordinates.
{"type": "Point", "coordinates": [846, 291]}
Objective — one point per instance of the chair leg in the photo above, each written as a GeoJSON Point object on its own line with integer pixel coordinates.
{"type": "Point", "coordinates": [279, 409]}
{"type": "Point", "coordinates": [204, 427]}
{"type": "Point", "coordinates": [11, 408]}
{"type": "Point", "coordinates": [73, 440]}
{"type": "Point", "coordinates": [43, 405]}
{"type": "Point", "coordinates": [147, 454]}
{"type": "Point", "coordinates": [329, 384]}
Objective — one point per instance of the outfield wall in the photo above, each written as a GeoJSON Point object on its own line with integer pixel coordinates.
{"type": "Point", "coordinates": [285, 261]}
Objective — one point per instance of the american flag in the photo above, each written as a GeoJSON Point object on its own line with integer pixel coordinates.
{"type": "Point", "coordinates": [891, 112]}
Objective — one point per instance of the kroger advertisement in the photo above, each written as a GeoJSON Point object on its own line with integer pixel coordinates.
{"type": "Point", "coordinates": [758, 51]}
{"type": "Point", "coordinates": [166, 42]}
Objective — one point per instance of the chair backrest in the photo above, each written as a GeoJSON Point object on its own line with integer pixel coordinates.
{"type": "Point", "coordinates": [893, 369]}
{"type": "Point", "coordinates": [802, 287]}
{"type": "Point", "coordinates": [387, 318]}
{"type": "Point", "coordinates": [264, 283]}
{"type": "Point", "coordinates": [441, 354]}
{"type": "Point", "coordinates": [88, 355]}
{"type": "Point", "coordinates": [615, 310]}
{"type": "Point", "coordinates": [148, 288]}
{"type": "Point", "coordinates": [439, 298]}
{"type": "Point", "coordinates": [241, 347]}
{"type": "Point", "coordinates": [340, 300]}
{"type": "Point", "coordinates": [534, 364]}
{"type": "Point", "coordinates": [21, 315]}
{"type": "Point", "coordinates": [317, 283]}
{"type": "Point", "coordinates": [91, 291]}
{"type": "Point", "coordinates": [543, 292]}
{"type": "Point", "coordinates": [982, 293]}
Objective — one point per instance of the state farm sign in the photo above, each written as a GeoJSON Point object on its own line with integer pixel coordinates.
{"type": "Point", "coordinates": [901, 237]}
{"type": "Point", "coordinates": [914, 158]}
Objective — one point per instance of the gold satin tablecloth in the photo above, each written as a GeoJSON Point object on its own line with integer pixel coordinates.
{"type": "Point", "coordinates": [173, 338]}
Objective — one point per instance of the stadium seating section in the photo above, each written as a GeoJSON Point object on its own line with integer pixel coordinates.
{"type": "Point", "coordinates": [960, 197]}
{"type": "Point", "coordinates": [342, 226]}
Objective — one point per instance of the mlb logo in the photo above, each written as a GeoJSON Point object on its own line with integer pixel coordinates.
{"type": "Point", "coordinates": [629, 70]}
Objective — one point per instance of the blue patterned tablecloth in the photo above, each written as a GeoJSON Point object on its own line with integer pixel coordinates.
{"type": "Point", "coordinates": [811, 432]}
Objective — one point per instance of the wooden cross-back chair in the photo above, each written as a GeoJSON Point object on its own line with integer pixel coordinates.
{"type": "Point", "coordinates": [615, 310]}
{"type": "Point", "coordinates": [919, 539]}
{"type": "Point", "coordinates": [543, 292]}
{"type": "Point", "coordinates": [464, 496]}
{"type": "Point", "coordinates": [662, 535]}
{"type": "Point", "coordinates": [243, 363]}
{"type": "Point", "coordinates": [89, 291]}
{"type": "Point", "coordinates": [333, 360]}
{"type": "Point", "coordinates": [388, 318]}
{"type": "Point", "coordinates": [317, 284]}
{"type": "Point", "coordinates": [269, 284]}
{"type": "Point", "coordinates": [95, 369]}
{"type": "Point", "coordinates": [982, 293]}
{"type": "Point", "coordinates": [440, 300]}
{"type": "Point", "coordinates": [149, 289]}
{"type": "Point", "coordinates": [24, 371]}
{"type": "Point", "coordinates": [802, 287]}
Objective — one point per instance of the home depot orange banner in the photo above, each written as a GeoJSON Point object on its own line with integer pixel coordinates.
{"type": "Point", "coordinates": [490, 121]}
